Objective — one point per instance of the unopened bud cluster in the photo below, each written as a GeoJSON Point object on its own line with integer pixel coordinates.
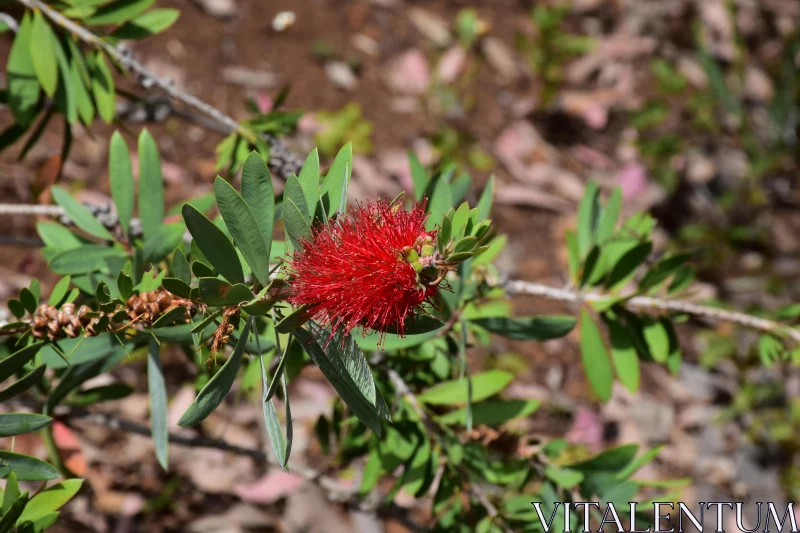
{"type": "Point", "coordinates": [53, 323]}
{"type": "Point", "coordinates": [147, 307]}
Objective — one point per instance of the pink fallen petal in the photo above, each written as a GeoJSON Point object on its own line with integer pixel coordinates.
{"type": "Point", "coordinates": [269, 488]}
{"type": "Point", "coordinates": [587, 429]}
{"type": "Point", "coordinates": [264, 102]}
{"type": "Point", "coordinates": [633, 180]}
{"type": "Point", "coordinates": [409, 73]}
{"type": "Point", "coordinates": [451, 64]}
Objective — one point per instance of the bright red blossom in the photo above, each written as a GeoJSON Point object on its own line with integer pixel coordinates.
{"type": "Point", "coordinates": [355, 272]}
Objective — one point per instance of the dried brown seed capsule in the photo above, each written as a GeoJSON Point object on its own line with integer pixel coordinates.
{"type": "Point", "coordinates": [151, 296]}
{"type": "Point", "coordinates": [68, 308]}
{"type": "Point", "coordinates": [41, 310]}
{"type": "Point", "coordinates": [164, 300]}
{"type": "Point", "coordinates": [63, 319]}
{"type": "Point", "coordinates": [51, 313]}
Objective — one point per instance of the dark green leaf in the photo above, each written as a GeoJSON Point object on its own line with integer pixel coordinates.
{"type": "Point", "coordinates": [15, 509]}
{"type": "Point", "coordinates": [23, 87]}
{"type": "Point", "coordinates": [335, 183]}
{"type": "Point", "coordinates": [18, 423]}
{"type": "Point", "coordinates": [102, 86]}
{"type": "Point", "coordinates": [11, 493]}
{"type": "Point", "coordinates": [14, 362]}
{"type": "Point", "coordinates": [611, 460]}
{"type": "Point", "coordinates": [157, 389]}
{"type": "Point", "coordinates": [16, 307]}
{"type": "Point", "coordinates": [120, 174]}
{"type": "Point", "coordinates": [177, 287]}
{"type": "Point", "coordinates": [27, 299]}
{"type": "Point", "coordinates": [180, 266]}
{"type": "Point", "coordinates": [589, 212]}
{"type": "Point", "coordinates": [595, 358]}
{"type": "Point", "coordinates": [103, 393]}
{"type": "Point", "coordinates": [626, 267]}
{"type": "Point", "coordinates": [333, 368]}
{"type": "Point", "coordinates": [28, 468]}
{"type": "Point", "coordinates": [344, 348]}
{"type": "Point", "coordinates": [274, 430]}
{"type": "Point", "coordinates": [662, 270]}
{"type": "Point", "coordinates": [218, 386]}
{"type": "Point", "coordinates": [88, 258]}
{"type": "Point", "coordinates": [294, 320]}
{"type": "Point", "coordinates": [216, 292]}
{"type": "Point", "coordinates": [536, 328]}
{"type": "Point", "coordinates": [258, 193]}
{"type": "Point", "coordinates": [484, 385]}
{"type": "Point", "coordinates": [214, 244]}
{"type": "Point", "coordinates": [244, 228]}
{"type": "Point", "coordinates": [151, 187]}
{"type": "Point", "coordinates": [492, 412]}
{"type": "Point", "coordinates": [23, 384]}
{"type": "Point", "coordinates": [147, 24]}
{"type": "Point", "coordinates": [296, 224]}
{"type": "Point", "coordinates": [162, 242]}
{"type": "Point", "coordinates": [79, 214]}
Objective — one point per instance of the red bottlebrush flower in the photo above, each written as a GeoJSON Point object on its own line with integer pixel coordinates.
{"type": "Point", "coordinates": [372, 268]}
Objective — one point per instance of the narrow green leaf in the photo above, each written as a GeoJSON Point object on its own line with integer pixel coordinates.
{"type": "Point", "coordinates": [165, 239]}
{"type": "Point", "coordinates": [309, 180]}
{"type": "Point", "coordinates": [50, 500]}
{"type": "Point", "coordinates": [243, 227]}
{"type": "Point", "coordinates": [657, 337]}
{"type": "Point", "coordinates": [157, 390]}
{"type": "Point", "coordinates": [23, 87]}
{"type": "Point", "coordinates": [147, 24]}
{"type": "Point", "coordinates": [218, 386]}
{"type": "Point", "coordinates": [344, 348]}
{"type": "Point", "coordinates": [335, 183]}
{"type": "Point", "coordinates": [589, 212]}
{"type": "Point", "coordinates": [274, 430]}
{"type": "Point", "coordinates": [536, 328]}
{"type": "Point", "coordinates": [102, 86]}
{"type": "Point", "coordinates": [624, 355]}
{"type": "Point", "coordinates": [79, 214]}
{"type": "Point", "coordinates": [595, 358]}
{"type": "Point", "coordinates": [214, 244]}
{"type": "Point", "coordinates": [487, 197]}
{"type": "Point", "coordinates": [18, 423]}
{"type": "Point", "coordinates": [258, 193]}
{"type": "Point", "coordinates": [484, 385]}
{"type": "Point", "coordinates": [441, 201]}
{"type": "Point", "coordinates": [492, 412]}
{"type": "Point", "coordinates": [17, 360]}
{"type": "Point", "coordinates": [8, 520]}
{"type": "Point", "coordinates": [11, 493]}
{"type": "Point", "coordinates": [419, 176]}
{"type": "Point", "coordinates": [27, 468]}
{"type": "Point", "coordinates": [43, 43]}
{"type": "Point", "coordinates": [662, 270]}
{"type": "Point", "coordinates": [609, 217]}
{"type": "Point", "coordinates": [296, 224]}
{"type": "Point", "coordinates": [625, 268]}
{"type": "Point", "coordinates": [118, 12]}
{"type": "Point", "coordinates": [23, 384]}
{"type": "Point", "coordinates": [180, 266]}
{"type": "Point", "coordinates": [120, 174]}
{"type": "Point", "coordinates": [339, 377]}
{"type": "Point", "coordinates": [151, 186]}
{"type": "Point", "coordinates": [563, 477]}
{"type": "Point", "coordinates": [639, 462]}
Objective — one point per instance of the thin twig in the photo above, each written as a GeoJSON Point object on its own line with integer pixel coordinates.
{"type": "Point", "coordinates": [31, 209]}
{"type": "Point", "coordinates": [647, 303]}
{"type": "Point", "coordinates": [282, 162]}
{"type": "Point", "coordinates": [10, 22]}
{"type": "Point", "coordinates": [336, 492]}
{"type": "Point", "coordinates": [403, 390]}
